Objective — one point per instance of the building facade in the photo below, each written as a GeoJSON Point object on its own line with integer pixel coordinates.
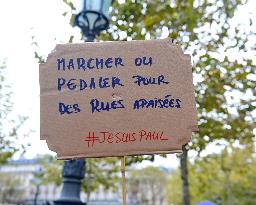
{"type": "Point", "coordinates": [29, 190]}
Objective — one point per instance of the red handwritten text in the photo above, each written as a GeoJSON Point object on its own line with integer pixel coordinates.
{"type": "Point", "coordinates": [107, 137]}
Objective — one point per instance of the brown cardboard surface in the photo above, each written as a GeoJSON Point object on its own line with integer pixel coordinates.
{"type": "Point", "coordinates": [163, 125]}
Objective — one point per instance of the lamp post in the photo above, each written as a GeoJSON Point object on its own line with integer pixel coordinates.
{"type": "Point", "coordinates": [92, 19]}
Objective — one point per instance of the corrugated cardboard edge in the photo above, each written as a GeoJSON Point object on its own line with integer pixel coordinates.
{"type": "Point", "coordinates": [118, 155]}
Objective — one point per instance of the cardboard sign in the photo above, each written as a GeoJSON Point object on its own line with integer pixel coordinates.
{"type": "Point", "coordinates": [116, 99]}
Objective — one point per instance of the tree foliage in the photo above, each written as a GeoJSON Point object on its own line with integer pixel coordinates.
{"type": "Point", "coordinates": [225, 178]}
{"type": "Point", "coordinates": [51, 169]}
{"type": "Point", "coordinates": [9, 189]}
{"type": "Point", "coordinates": [101, 173]}
{"type": "Point", "coordinates": [9, 126]}
{"type": "Point", "coordinates": [147, 186]}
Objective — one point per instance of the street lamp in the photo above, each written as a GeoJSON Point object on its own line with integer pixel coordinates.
{"type": "Point", "coordinates": [91, 20]}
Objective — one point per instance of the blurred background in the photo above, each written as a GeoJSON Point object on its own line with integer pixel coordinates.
{"type": "Point", "coordinates": [218, 166]}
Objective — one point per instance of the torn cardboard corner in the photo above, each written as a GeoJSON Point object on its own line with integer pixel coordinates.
{"type": "Point", "coordinates": [116, 99]}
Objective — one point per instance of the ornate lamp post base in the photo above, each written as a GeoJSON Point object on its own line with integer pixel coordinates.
{"type": "Point", "coordinates": [73, 173]}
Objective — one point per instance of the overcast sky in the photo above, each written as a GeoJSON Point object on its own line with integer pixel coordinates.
{"type": "Point", "coordinates": [20, 21]}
